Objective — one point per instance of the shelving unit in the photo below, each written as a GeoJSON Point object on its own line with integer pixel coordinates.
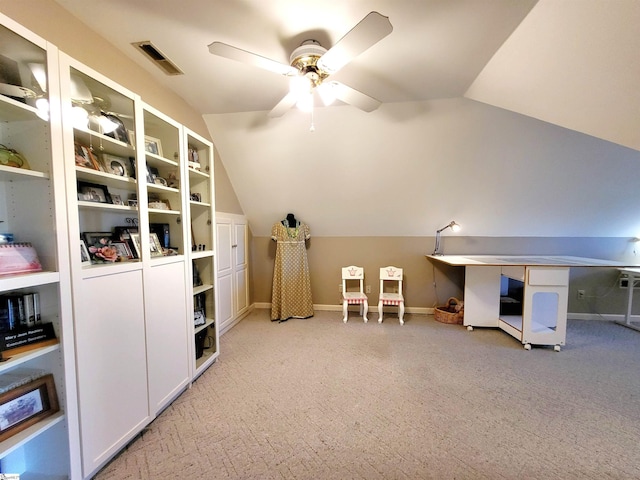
{"type": "Point", "coordinates": [32, 205]}
{"type": "Point", "coordinates": [116, 196]}
{"type": "Point", "coordinates": [108, 297]}
{"type": "Point", "coordinates": [201, 201]}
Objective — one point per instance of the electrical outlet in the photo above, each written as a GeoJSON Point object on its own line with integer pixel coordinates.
{"type": "Point", "coordinates": [580, 294]}
{"type": "Point", "coordinates": [367, 289]}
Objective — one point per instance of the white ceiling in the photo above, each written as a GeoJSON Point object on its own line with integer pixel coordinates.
{"type": "Point", "coordinates": [436, 50]}
{"type": "Point", "coordinates": [567, 63]}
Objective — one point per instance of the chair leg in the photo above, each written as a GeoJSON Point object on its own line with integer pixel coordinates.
{"type": "Point", "coordinates": [345, 311]}
{"type": "Point", "coordinates": [380, 311]}
{"type": "Point", "coordinates": [366, 309]}
{"type": "Point", "coordinates": [401, 313]}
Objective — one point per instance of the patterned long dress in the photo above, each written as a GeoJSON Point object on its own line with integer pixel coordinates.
{"type": "Point", "coordinates": [291, 295]}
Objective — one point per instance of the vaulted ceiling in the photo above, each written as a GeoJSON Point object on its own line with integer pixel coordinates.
{"type": "Point", "coordinates": [573, 64]}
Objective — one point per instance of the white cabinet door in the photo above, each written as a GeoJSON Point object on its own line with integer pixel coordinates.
{"type": "Point", "coordinates": [224, 258]}
{"type": "Point", "coordinates": [167, 333]}
{"type": "Point", "coordinates": [240, 266]}
{"type": "Point", "coordinates": [112, 364]}
{"type": "Point", "coordinates": [232, 268]}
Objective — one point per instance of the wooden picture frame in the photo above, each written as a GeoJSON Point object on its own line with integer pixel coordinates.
{"type": "Point", "coordinates": [26, 405]}
{"type": "Point", "coordinates": [93, 192]}
{"type": "Point", "coordinates": [152, 145]}
{"type": "Point", "coordinates": [85, 157]}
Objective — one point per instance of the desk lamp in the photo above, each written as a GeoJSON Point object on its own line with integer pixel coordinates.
{"type": "Point", "coordinates": [454, 226]}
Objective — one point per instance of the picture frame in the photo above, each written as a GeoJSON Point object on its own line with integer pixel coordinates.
{"type": "Point", "coordinates": [123, 249]}
{"type": "Point", "coordinates": [152, 145]}
{"type": "Point", "coordinates": [116, 199]}
{"type": "Point", "coordinates": [26, 405]}
{"type": "Point", "coordinates": [152, 173]}
{"type": "Point", "coordinates": [115, 165]}
{"type": "Point", "coordinates": [99, 245]}
{"type": "Point", "coordinates": [155, 247]}
{"type": "Point", "coordinates": [93, 192]}
{"type": "Point", "coordinates": [85, 157]}
{"type": "Point", "coordinates": [85, 258]}
{"type": "Point", "coordinates": [135, 239]}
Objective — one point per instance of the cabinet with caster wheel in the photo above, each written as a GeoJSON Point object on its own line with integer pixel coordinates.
{"type": "Point", "coordinates": [535, 305]}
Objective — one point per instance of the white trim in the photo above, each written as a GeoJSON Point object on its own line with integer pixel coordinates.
{"type": "Point", "coordinates": [338, 308]}
{"type": "Point", "coordinates": [610, 317]}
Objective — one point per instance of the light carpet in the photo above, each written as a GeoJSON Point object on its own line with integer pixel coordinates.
{"type": "Point", "coordinates": [320, 399]}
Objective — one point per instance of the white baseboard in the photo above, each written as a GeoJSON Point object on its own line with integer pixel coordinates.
{"type": "Point", "coordinates": [610, 317]}
{"type": "Point", "coordinates": [338, 308]}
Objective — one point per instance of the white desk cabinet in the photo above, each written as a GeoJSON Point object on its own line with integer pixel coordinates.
{"type": "Point", "coordinates": [544, 284]}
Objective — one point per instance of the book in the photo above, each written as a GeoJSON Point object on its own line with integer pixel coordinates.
{"type": "Point", "coordinates": [18, 258]}
{"type": "Point", "coordinates": [29, 309]}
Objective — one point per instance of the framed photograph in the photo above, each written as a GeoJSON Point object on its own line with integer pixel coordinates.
{"type": "Point", "coordinates": [93, 192]}
{"type": "Point", "coordinates": [85, 157]}
{"type": "Point", "coordinates": [116, 200]}
{"type": "Point", "coordinates": [123, 249]}
{"type": "Point", "coordinates": [152, 173]}
{"type": "Point", "coordinates": [120, 166]}
{"type": "Point", "coordinates": [84, 253]}
{"type": "Point", "coordinates": [155, 246]}
{"type": "Point", "coordinates": [26, 405]}
{"type": "Point", "coordinates": [152, 145]}
{"type": "Point", "coordinates": [100, 247]}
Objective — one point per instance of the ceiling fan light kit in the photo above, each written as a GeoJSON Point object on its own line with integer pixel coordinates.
{"type": "Point", "coordinates": [311, 64]}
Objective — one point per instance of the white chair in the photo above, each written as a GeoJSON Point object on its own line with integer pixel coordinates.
{"type": "Point", "coordinates": [350, 276]}
{"type": "Point", "coordinates": [393, 294]}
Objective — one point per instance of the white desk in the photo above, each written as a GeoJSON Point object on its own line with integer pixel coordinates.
{"type": "Point", "coordinates": [545, 288]}
{"type": "Point", "coordinates": [633, 274]}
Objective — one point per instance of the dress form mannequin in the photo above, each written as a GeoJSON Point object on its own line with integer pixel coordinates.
{"type": "Point", "coordinates": [291, 291]}
{"type": "Point", "coordinates": [290, 221]}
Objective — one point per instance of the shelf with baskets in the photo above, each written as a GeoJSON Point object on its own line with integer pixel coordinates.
{"type": "Point", "coordinates": [32, 209]}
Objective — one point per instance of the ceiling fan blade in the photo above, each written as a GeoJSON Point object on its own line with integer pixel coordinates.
{"type": "Point", "coordinates": [371, 29]}
{"type": "Point", "coordinates": [284, 105]}
{"type": "Point", "coordinates": [234, 53]}
{"type": "Point", "coordinates": [354, 97]}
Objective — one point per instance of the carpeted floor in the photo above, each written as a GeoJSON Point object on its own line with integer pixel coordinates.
{"type": "Point", "coordinates": [318, 399]}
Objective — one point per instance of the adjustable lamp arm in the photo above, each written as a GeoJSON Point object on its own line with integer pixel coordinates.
{"type": "Point", "coordinates": [454, 226]}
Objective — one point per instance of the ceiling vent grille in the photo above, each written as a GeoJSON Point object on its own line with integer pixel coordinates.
{"type": "Point", "coordinates": [157, 57]}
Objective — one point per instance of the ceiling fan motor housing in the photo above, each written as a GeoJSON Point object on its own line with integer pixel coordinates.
{"type": "Point", "coordinates": [305, 59]}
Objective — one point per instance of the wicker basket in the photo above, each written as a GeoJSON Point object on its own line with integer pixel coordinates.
{"type": "Point", "coordinates": [452, 312]}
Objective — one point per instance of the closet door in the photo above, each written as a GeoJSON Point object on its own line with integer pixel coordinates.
{"type": "Point", "coordinates": [233, 269]}
{"type": "Point", "coordinates": [225, 276]}
{"type": "Point", "coordinates": [240, 266]}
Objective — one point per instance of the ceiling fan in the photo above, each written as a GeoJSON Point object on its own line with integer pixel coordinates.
{"type": "Point", "coordinates": [311, 65]}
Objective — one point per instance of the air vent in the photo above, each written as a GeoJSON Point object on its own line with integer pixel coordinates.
{"type": "Point", "coordinates": [157, 57]}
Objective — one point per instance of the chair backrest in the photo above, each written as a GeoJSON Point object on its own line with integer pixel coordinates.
{"type": "Point", "coordinates": [391, 273]}
{"type": "Point", "coordinates": [352, 273]}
